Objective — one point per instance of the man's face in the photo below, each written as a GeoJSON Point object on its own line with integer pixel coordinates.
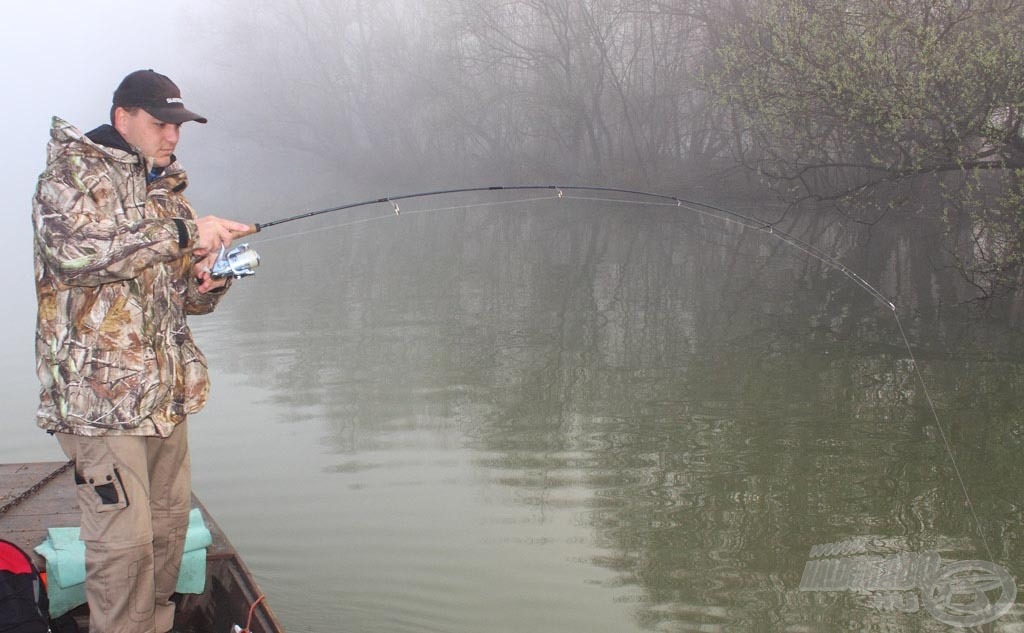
{"type": "Point", "coordinates": [154, 138]}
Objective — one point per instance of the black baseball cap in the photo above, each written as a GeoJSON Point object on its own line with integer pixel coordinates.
{"type": "Point", "coordinates": [156, 94]}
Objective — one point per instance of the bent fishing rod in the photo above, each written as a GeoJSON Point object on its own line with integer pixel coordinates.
{"type": "Point", "coordinates": [241, 261]}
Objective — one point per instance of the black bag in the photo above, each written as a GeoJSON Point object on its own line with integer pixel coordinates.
{"type": "Point", "coordinates": [24, 607]}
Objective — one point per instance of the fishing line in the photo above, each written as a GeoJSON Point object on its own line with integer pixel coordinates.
{"type": "Point", "coordinates": [700, 208]}
{"type": "Point", "coordinates": [816, 253]}
{"type": "Point", "coordinates": [945, 439]}
{"type": "Point", "coordinates": [765, 227]}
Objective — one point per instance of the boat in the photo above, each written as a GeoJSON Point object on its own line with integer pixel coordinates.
{"type": "Point", "coordinates": [39, 495]}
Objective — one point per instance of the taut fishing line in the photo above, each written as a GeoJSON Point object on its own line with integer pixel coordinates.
{"type": "Point", "coordinates": [241, 261]}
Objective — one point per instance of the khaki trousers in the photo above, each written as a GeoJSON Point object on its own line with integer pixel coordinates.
{"type": "Point", "coordinates": [135, 496]}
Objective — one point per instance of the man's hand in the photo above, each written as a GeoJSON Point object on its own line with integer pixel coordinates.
{"type": "Point", "coordinates": [214, 233]}
{"type": "Point", "coordinates": [201, 271]}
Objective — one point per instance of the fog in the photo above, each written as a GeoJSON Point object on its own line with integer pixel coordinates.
{"type": "Point", "coordinates": [319, 103]}
{"type": "Point", "coordinates": [310, 104]}
{"type": "Point", "coordinates": [65, 59]}
{"type": "Point", "coordinates": [549, 374]}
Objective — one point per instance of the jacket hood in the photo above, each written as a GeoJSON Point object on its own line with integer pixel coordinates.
{"type": "Point", "coordinates": [105, 140]}
{"type": "Point", "coordinates": [66, 139]}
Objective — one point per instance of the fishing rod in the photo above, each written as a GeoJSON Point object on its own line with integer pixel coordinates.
{"type": "Point", "coordinates": [241, 261]}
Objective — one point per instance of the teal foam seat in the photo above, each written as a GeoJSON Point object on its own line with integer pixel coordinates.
{"type": "Point", "coordinates": [64, 552]}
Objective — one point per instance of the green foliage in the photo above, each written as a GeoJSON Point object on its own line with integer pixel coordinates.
{"type": "Point", "coordinates": [853, 102]}
{"type": "Point", "coordinates": [833, 96]}
{"type": "Point", "coordinates": [991, 255]}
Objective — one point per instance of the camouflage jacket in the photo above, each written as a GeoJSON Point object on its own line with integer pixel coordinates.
{"type": "Point", "coordinates": [114, 353]}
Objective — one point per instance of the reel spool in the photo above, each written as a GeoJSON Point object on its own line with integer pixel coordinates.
{"type": "Point", "coordinates": [239, 262]}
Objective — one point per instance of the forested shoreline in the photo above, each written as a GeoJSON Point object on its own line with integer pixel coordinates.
{"type": "Point", "coordinates": [870, 109]}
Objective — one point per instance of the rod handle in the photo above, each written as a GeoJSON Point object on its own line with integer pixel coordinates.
{"type": "Point", "coordinates": [252, 228]}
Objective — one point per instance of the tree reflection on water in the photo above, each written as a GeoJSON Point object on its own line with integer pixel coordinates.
{"type": "Point", "coordinates": [725, 402]}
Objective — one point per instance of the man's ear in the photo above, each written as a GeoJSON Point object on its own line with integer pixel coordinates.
{"type": "Point", "coordinates": [119, 119]}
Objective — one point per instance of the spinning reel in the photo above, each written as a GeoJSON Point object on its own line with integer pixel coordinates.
{"type": "Point", "coordinates": [239, 262]}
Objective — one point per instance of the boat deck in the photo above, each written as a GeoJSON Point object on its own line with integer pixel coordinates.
{"type": "Point", "coordinates": [54, 503]}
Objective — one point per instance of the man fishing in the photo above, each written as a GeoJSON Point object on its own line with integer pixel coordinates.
{"type": "Point", "coordinates": [120, 260]}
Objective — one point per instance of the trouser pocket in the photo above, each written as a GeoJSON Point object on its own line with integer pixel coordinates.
{"type": "Point", "coordinates": [101, 488]}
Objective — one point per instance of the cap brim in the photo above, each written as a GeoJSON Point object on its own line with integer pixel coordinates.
{"type": "Point", "coordinates": [174, 114]}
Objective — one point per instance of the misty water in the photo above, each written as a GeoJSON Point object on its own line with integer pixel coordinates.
{"type": "Point", "coordinates": [579, 415]}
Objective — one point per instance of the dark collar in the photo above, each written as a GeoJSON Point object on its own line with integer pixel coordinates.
{"type": "Point", "coordinates": [107, 136]}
